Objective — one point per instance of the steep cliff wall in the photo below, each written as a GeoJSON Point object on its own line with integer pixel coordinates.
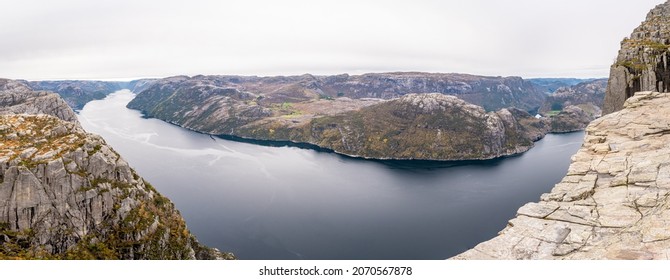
{"type": "Point", "coordinates": [642, 63]}
{"type": "Point", "coordinates": [614, 202]}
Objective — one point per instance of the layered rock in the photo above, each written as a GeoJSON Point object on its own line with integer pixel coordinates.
{"type": "Point", "coordinates": [65, 193]}
{"type": "Point", "coordinates": [614, 202]}
{"type": "Point", "coordinates": [642, 63]}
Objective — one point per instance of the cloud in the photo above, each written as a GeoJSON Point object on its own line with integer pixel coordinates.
{"type": "Point", "coordinates": [124, 39]}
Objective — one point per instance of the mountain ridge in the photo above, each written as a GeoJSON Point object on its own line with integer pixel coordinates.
{"type": "Point", "coordinates": [297, 108]}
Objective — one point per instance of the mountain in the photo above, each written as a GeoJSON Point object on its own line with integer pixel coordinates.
{"type": "Point", "coordinates": [614, 202]}
{"type": "Point", "coordinates": [642, 62]}
{"type": "Point", "coordinates": [492, 93]}
{"type": "Point", "coordinates": [366, 116]}
{"type": "Point", "coordinates": [78, 93]}
{"type": "Point", "coordinates": [574, 118]}
{"type": "Point", "coordinates": [583, 93]}
{"type": "Point", "coordinates": [416, 126]}
{"type": "Point", "coordinates": [139, 85]}
{"type": "Point", "coordinates": [573, 108]}
{"type": "Point", "coordinates": [66, 194]}
{"type": "Point", "coordinates": [550, 85]}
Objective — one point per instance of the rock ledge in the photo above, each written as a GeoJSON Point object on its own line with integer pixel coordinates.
{"type": "Point", "coordinates": [613, 203]}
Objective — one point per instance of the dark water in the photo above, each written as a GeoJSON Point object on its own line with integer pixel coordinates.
{"type": "Point", "coordinates": [289, 203]}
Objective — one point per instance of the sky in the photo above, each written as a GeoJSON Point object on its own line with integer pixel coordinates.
{"type": "Point", "coordinates": [123, 39]}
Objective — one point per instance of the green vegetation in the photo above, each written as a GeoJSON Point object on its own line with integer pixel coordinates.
{"type": "Point", "coordinates": [325, 97]}
{"type": "Point", "coordinates": [553, 113]}
{"type": "Point", "coordinates": [286, 106]}
{"type": "Point", "coordinates": [634, 65]}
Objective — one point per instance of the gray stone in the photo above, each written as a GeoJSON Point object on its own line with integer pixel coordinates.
{"type": "Point", "coordinates": [613, 203]}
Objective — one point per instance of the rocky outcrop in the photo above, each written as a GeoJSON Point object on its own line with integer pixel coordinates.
{"type": "Point", "coordinates": [17, 97]}
{"type": "Point", "coordinates": [642, 63]}
{"type": "Point", "coordinates": [574, 118]}
{"type": "Point", "coordinates": [65, 193]}
{"type": "Point", "coordinates": [614, 202]}
{"type": "Point", "coordinates": [415, 126]}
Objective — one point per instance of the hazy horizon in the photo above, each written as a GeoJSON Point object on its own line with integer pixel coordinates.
{"type": "Point", "coordinates": [130, 79]}
{"type": "Point", "coordinates": [125, 40]}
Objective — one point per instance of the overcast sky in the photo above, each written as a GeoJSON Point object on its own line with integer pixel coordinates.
{"type": "Point", "coordinates": [122, 39]}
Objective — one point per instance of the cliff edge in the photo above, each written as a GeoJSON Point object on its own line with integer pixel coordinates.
{"type": "Point", "coordinates": [642, 62]}
{"type": "Point", "coordinates": [66, 194]}
{"type": "Point", "coordinates": [614, 202]}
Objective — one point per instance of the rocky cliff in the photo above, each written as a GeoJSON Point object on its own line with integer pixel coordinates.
{"type": "Point", "coordinates": [17, 97]}
{"type": "Point", "coordinates": [65, 193]}
{"type": "Point", "coordinates": [614, 202]}
{"type": "Point", "coordinates": [642, 63]}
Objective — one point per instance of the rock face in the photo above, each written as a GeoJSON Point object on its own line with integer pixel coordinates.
{"type": "Point", "coordinates": [16, 97]}
{"type": "Point", "coordinates": [346, 113]}
{"type": "Point", "coordinates": [65, 193]}
{"type": "Point", "coordinates": [642, 63]}
{"type": "Point", "coordinates": [614, 202]}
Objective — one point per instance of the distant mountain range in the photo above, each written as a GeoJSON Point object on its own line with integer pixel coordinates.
{"type": "Point", "coordinates": [550, 85]}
